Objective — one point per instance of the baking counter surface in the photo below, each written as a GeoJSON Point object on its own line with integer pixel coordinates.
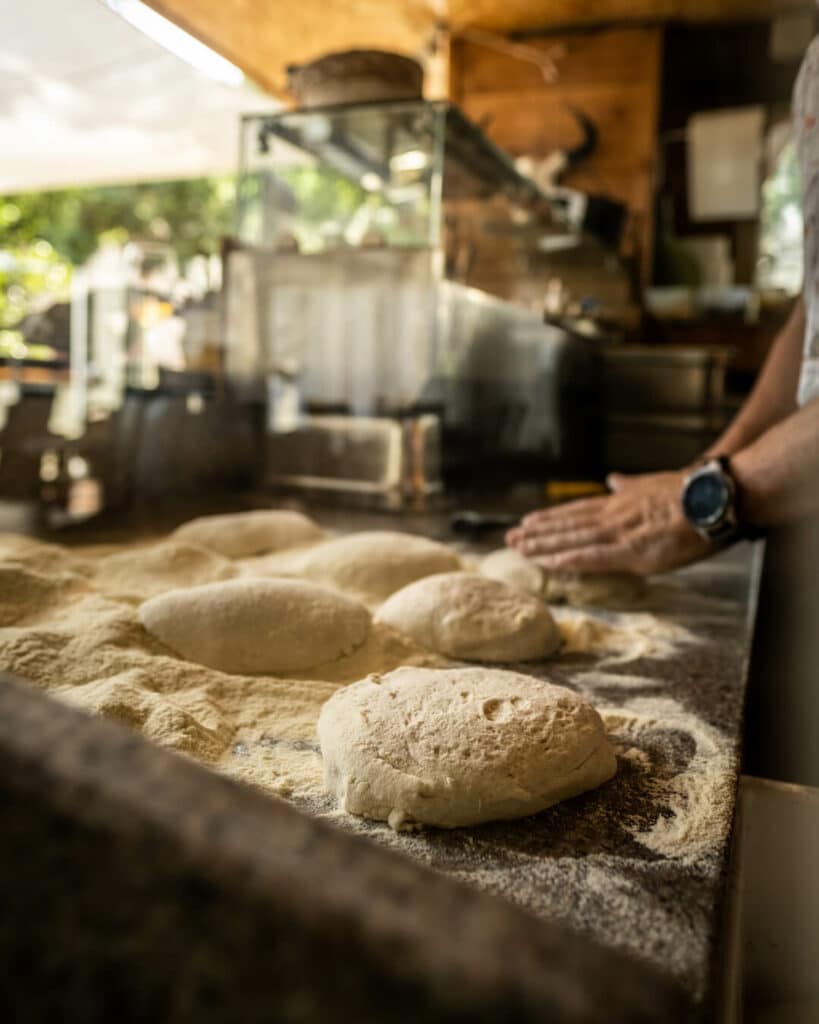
{"type": "Point", "coordinates": [639, 864]}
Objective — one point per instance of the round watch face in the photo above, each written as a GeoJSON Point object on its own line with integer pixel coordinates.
{"type": "Point", "coordinates": [706, 499]}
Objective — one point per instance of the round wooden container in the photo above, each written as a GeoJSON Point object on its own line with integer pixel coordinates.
{"type": "Point", "coordinates": [355, 76]}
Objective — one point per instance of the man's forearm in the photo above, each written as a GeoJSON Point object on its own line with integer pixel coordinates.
{"type": "Point", "coordinates": [778, 475]}
{"type": "Point", "coordinates": [774, 394]}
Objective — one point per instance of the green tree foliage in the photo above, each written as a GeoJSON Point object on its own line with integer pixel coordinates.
{"type": "Point", "coordinates": [781, 224]}
{"type": "Point", "coordinates": [27, 271]}
{"type": "Point", "coordinates": [191, 215]}
{"type": "Point", "coordinates": [44, 234]}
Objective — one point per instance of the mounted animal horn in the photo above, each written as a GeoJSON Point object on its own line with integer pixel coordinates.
{"type": "Point", "coordinates": [549, 173]}
{"type": "Point", "coordinates": [591, 137]}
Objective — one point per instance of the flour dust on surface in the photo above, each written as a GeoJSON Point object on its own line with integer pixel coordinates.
{"type": "Point", "coordinates": [64, 631]}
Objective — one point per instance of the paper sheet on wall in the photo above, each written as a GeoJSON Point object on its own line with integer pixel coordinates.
{"type": "Point", "coordinates": [725, 149]}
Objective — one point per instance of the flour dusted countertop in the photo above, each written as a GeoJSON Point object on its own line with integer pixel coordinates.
{"type": "Point", "coordinates": [638, 865]}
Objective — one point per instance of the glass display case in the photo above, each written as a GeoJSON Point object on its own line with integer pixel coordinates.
{"type": "Point", "coordinates": [372, 242]}
{"type": "Point", "coordinates": [394, 174]}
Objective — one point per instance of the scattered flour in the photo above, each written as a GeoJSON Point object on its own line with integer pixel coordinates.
{"type": "Point", "coordinates": [188, 722]}
{"type": "Point", "coordinates": [592, 681]}
{"type": "Point", "coordinates": [620, 637]}
{"type": "Point", "coordinates": [39, 556]}
{"type": "Point", "coordinates": [697, 800]}
{"type": "Point", "coordinates": [631, 863]}
{"type": "Point", "coordinates": [60, 632]}
{"type": "Point", "coordinates": [28, 595]}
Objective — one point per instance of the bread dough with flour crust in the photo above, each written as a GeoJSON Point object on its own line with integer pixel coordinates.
{"type": "Point", "coordinates": [255, 626]}
{"type": "Point", "coordinates": [509, 566]}
{"type": "Point", "coordinates": [603, 589]}
{"type": "Point", "coordinates": [369, 565]}
{"type": "Point", "coordinates": [249, 533]}
{"type": "Point", "coordinates": [454, 747]}
{"type": "Point", "coordinates": [464, 615]}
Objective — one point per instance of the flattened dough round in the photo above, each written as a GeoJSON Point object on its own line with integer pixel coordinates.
{"type": "Point", "coordinates": [145, 572]}
{"type": "Point", "coordinates": [371, 565]}
{"type": "Point", "coordinates": [249, 533]}
{"type": "Point", "coordinates": [252, 626]}
{"type": "Point", "coordinates": [464, 615]}
{"type": "Point", "coordinates": [603, 589]}
{"type": "Point", "coordinates": [453, 747]}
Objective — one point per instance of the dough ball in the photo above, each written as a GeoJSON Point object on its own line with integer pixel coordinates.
{"type": "Point", "coordinates": [464, 615]}
{"type": "Point", "coordinates": [252, 626]}
{"type": "Point", "coordinates": [249, 533]}
{"type": "Point", "coordinates": [604, 589]}
{"type": "Point", "coordinates": [452, 747]}
{"type": "Point", "coordinates": [145, 572]}
{"type": "Point", "coordinates": [373, 564]}
{"type": "Point", "coordinates": [511, 567]}
{"type": "Point", "coordinates": [289, 562]}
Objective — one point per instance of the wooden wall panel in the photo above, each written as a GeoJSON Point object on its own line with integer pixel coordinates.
{"type": "Point", "coordinates": [626, 57]}
{"type": "Point", "coordinates": [613, 76]}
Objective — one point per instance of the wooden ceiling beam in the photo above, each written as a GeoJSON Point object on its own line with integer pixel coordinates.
{"type": "Point", "coordinates": [263, 36]}
{"type": "Point", "coordinates": [529, 15]}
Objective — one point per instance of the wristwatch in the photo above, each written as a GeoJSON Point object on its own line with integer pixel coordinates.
{"type": "Point", "coordinates": [709, 501]}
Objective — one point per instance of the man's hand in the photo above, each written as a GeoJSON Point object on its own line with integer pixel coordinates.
{"type": "Point", "coordinates": [640, 528]}
{"type": "Point", "coordinates": [623, 481]}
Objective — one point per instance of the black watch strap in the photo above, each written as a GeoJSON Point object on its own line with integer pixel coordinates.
{"type": "Point", "coordinates": [736, 526]}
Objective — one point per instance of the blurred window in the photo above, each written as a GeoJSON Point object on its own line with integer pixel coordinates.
{"type": "Point", "coordinates": [781, 226]}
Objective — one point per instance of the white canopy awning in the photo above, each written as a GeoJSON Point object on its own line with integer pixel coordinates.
{"type": "Point", "coordinates": [86, 99]}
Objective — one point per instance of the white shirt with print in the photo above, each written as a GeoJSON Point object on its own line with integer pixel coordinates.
{"type": "Point", "coordinates": [806, 130]}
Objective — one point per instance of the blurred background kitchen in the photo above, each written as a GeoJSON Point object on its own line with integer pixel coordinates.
{"type": "Point", "coordinates": [540, 250]}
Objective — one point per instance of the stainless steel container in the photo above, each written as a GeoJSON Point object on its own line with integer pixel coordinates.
{"type": "Point", "coordinates": [665, 379]}
{"type": "Point", "coordinates": [650, 442]}
{"type": "Point", "coordinates": [663, 405]}
{"type": "Point", "coordinates": [382, 461]}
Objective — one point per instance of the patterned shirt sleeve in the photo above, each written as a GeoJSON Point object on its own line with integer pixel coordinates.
{"type": "Point", "coordinates": [806, 131]}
